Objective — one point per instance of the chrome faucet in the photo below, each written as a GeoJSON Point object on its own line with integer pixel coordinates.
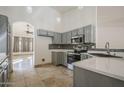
{"type": "Point", "coordinates": [107, 48]}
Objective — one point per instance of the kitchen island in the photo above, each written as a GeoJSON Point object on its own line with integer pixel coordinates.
{"type": "Point", "coordinates": [99, 72]}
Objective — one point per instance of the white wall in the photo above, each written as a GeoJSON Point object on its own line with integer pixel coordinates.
{"type": "Point", "coordinates": [42, 46]}
{"type": "Point", "coordinates": [20, 28]}
{"type": "Point", "coordinates": [41, 17]}
{"type": "Point", "coordinates": [110, 26]}
{"type": "Point", "coordinates": [77, 18]}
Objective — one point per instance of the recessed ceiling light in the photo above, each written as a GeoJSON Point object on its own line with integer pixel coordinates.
{"type": "Point", "coordinates": [58, 19]}
{"type": "Point", "coordinates": [80, 7]}
{"type": "Point", "coordinates": [29, 9]}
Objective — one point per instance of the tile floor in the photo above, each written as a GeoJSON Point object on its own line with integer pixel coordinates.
{"type": "Point", "coordinates": [25, 75]}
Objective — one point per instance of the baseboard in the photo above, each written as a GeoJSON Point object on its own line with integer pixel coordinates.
{"type": "Point", "coordinates": [41, 65]}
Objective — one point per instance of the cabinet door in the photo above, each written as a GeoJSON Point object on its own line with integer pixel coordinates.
{"type": "Point", "coordinates": [87, 31]}
{"type": "Point", "coordinates": [54, 58]}
{"type": "Point", "coordinates": [64, 38]}
{"type": "Point", "coordinates": [62, 58]}
{"type": "Point", "coordinates": [93, 34]}
{"type": "Point", "coordinates": [75, 32]}
{"type": "Point", "coordinates": [41, 32]}
{"type": "Point", "coordinates": [57, 38]}
{"type": "Point", "coordinates": [68, 37]}
{"type": "Point", "coordinates": [65, 59]}
{"type": "Point", "coordinates": [81, 31]}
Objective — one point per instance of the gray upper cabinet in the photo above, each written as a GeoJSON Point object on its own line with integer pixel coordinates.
{"type": "Point", "coordinates": [49, 33]}
{"type": "Point", "coordinates": [89, 34]}
{"type": "Point", "coordinates": [41, 32]}
{"type": "Point", "coordinates": [68, 40]}
{"type": "Point", "coordinates": [64, 38]}
{"type": "Point", "coordinates": [75, 32]}
{"type": "Point", "coordinates": [46, 33]}
{"type": "Point", "coordinates": [57, 38]}
{"type": "Point", "coordinates": [80, 31]}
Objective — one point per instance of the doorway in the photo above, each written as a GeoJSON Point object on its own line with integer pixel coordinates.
{"type": "Point", "coordinates": [22, 45]}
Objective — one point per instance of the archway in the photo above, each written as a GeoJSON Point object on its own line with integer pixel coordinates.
{"type": "Point", "coordinates": [22, 43]}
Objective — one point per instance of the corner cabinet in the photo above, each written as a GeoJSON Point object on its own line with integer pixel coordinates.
{"type": "Point", "coordinates": [57, 38]}
{"type": "Point", "coordinates": [68, 39]}
{"type": "Point", "coordinates": [59, 58]}
{"type": "Point", "coordinates": [64, 38]}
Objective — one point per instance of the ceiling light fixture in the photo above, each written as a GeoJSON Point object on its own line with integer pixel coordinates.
{"type": "Point", "coordinates": [29, 9]}
{"type": "Point", "coordinates": [58, 19]}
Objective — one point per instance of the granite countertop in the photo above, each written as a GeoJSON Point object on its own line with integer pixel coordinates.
{"type": "Point", "coordinates": [113, 67]}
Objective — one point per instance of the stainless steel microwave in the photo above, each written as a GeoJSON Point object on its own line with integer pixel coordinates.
{"type": "Point", "coordinates": [78, 39]}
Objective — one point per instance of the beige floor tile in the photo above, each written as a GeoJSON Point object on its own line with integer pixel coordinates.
{"type": "Point", "coordinates": [25, 75]}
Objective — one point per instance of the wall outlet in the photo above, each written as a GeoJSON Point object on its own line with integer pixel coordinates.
{"type": "Point", "coordinates": [43, 59]}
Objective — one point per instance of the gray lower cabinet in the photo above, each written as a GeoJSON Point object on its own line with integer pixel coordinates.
{"type": "Point", "coordinates": [57, 38]}
{"type": "Point", "coordinates": [86, 78]}
{"type": "Point", "coordinates": [59, 58]}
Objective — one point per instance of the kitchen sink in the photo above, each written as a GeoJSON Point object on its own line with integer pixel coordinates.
{"type": "Point", "coordinates": [104, 55]}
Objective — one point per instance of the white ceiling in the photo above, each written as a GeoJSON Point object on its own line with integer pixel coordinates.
{"type": "Point", "coordinates": [63, 9]}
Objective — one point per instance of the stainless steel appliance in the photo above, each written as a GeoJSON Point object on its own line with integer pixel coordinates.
{"type": "Point", "coordinates": [3, 34]}
{"type": "Point", "coordinates": [78, 39]}
{"type": "Point", "coordinates": [71, 58]}
{"type": "Point", "coordinates": [75, 57]}
{"type": "Point", "coordinates": [5, 49]}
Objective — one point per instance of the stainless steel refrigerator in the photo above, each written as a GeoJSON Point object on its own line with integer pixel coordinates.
{"type": "Point", "coordinates": [5, 40]}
